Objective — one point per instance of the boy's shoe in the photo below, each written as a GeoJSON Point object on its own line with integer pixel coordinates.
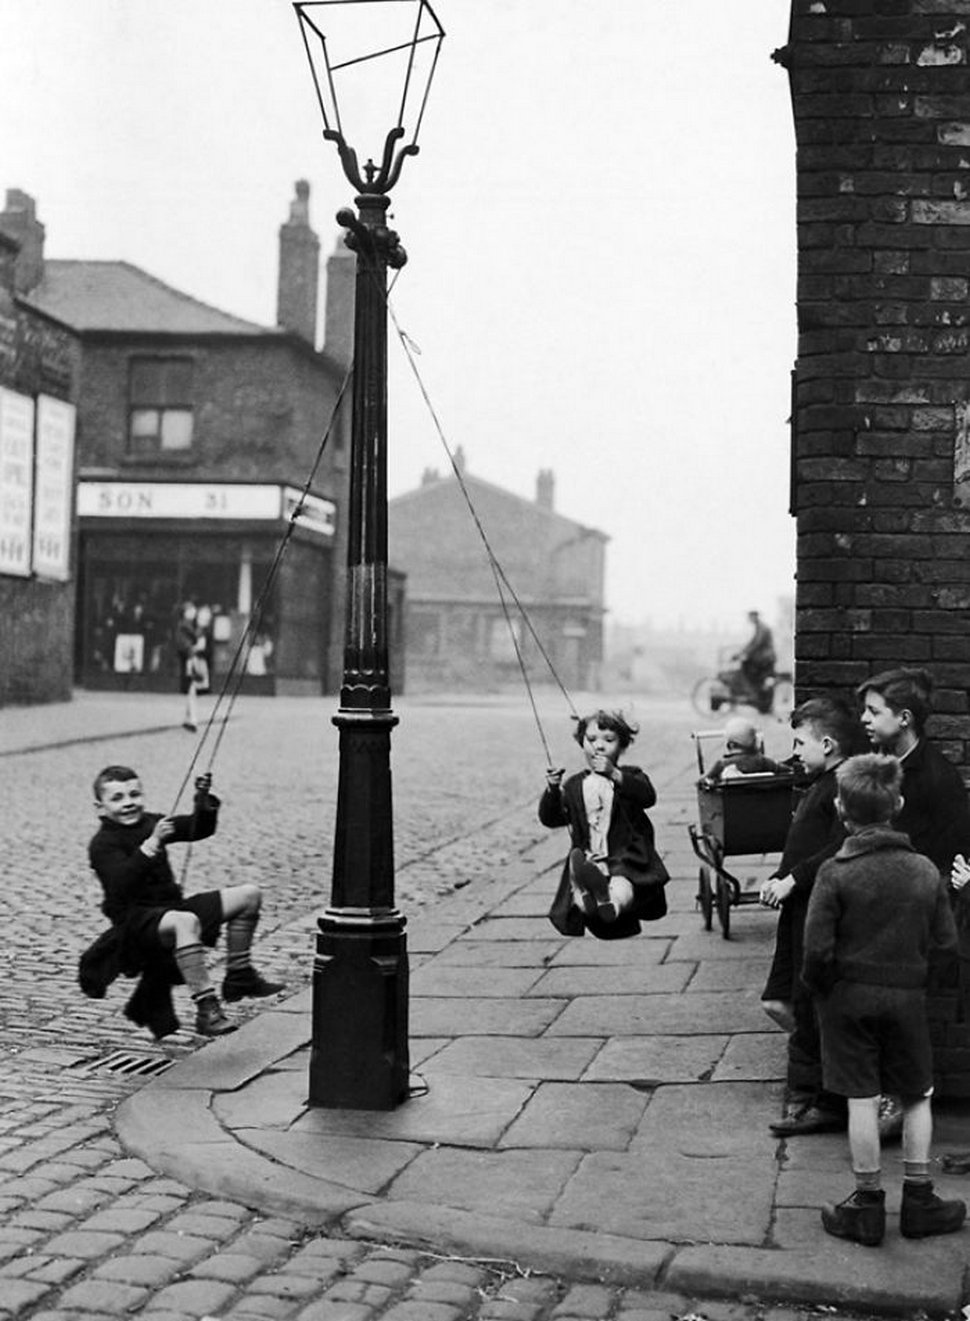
{"type": "Point", "coordinates": [923, 1213]}
{"type": "Point", "coordinates": [248, 984]}
{"type": "Point", "coordinates": [210, 1021]}
{"type": "Point", "coordinates": [861, 1217]}
{"type": "Point", "coordinates": [890, 1118]}
{"type": "Point", "coordinates": [810, 1119]}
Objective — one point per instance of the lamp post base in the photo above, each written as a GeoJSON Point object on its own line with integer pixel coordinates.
{"type": "Point", "coordinates": [359, 1056]}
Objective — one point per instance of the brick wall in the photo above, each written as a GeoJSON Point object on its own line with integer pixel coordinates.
{"type": "Point", "coordinates": [36, 616]}
{"type": "Point", "coordinates": [881, 98]}
{"type": "Point", "coordinates": [265, 406]}
{"type": "Point", "coordinates": [881, 416]}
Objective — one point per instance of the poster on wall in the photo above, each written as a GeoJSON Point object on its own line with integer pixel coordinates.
{"type": "Point", "coordinates": [53, 488]}
{"type": "Point", "coordinates": [16, 481]}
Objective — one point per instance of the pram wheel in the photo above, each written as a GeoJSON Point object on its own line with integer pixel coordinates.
{"type": "Point", "coordinates": [725, 898]}
{"type": "Point", "coordinates": [705, 896]}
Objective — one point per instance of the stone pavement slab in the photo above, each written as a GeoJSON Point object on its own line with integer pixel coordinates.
{"type": "Point", "coordinates": [595, 1109]}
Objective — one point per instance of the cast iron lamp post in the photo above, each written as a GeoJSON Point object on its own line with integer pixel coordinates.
{"type": "Point", "coordinates": [359, 1051]}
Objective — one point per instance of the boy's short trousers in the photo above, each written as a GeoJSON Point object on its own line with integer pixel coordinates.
{"type": "Point", "coordinates": [875, 1040]}
{"type": "Point", "coordinates": [141, 924]}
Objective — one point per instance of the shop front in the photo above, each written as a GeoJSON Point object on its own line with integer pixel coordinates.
{"type": "Point", "coordinates": [148, 548]}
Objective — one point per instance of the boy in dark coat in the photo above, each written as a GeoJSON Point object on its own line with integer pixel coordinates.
{"type": "Point", "coordinates": [613, 876]}
{"type": "Point", "coordinates": [153, 922]}
{"type": "Point", "coordinates": [877, 912]}
{"type": "Point", "coordinates": [824, 732]}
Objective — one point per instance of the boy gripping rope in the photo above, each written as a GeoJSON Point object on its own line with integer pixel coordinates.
{"type": "Point", "coordinates": [156, 930]}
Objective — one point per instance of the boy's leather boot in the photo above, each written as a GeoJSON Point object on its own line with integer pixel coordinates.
{"type": "Point", "coordinates": [247, 982]}
{"type": "Point", "coordinates": [210, 1021]}
{"type": "Point", "coordinates": [861, 1217]}
{"type": "Point", "coordinates": [924, 1213]}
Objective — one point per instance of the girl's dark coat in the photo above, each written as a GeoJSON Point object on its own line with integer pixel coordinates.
{"type": "Point", "coordinates": [631, 853]}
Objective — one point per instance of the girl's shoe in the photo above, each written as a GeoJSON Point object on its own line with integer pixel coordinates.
{"type": "Point", "coordinates": [860, 1218]}
{"type": "Point", "coordinates": [592, 887]}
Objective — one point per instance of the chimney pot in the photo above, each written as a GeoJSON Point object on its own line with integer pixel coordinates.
{"type": "Point", "coordinates": [19, 221]}
{"type": "Point", "coordinates": [545, 488]}
{"type": "Point", "coordinates": [338, 333]}
{"type": "Point", "coordinates": [299, 272]}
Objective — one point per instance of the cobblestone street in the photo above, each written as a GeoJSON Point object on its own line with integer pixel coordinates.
{"type": "Point", "coordinates": [86, 1230]}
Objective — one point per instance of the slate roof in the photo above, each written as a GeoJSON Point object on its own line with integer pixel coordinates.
{"type": "Point", "coordinates": [116, 296]}
{"type": "Point", "coordinates": [433, 539]}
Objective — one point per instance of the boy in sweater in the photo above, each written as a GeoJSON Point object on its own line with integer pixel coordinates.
{"type": "Point", "coordinates": [147, 909]}
{"type": "Point", "coordinates": [877, 911]}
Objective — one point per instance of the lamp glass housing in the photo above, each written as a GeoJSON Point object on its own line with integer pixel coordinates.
{"type": "Point", "coordinates": [372, 63]}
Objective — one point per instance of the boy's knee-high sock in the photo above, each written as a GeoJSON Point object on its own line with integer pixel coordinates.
{"type": "Point", "coordinates": [239, 940]}
{"type": "Point", "coordinates": [191, 964]}
{"type": "Point", "coordinates": [916, 1171]}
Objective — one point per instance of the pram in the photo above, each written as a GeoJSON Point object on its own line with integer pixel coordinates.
{"type": "Point", "coordinates": [746, 814]}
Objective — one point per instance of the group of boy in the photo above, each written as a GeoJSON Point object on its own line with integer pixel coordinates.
{"type": "Point", "coordinates": [870, 873]}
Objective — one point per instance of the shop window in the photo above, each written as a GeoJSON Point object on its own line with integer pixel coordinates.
{"type": "Point", "coordinates": [160, 407]}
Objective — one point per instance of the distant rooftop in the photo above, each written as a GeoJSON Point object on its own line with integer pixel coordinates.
{"type": "Point", "coordinates": [114, 295]}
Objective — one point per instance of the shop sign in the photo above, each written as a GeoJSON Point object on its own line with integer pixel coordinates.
{"type": "Point", "coordinates": [202, 500]}
{"type": "Point", "coordinates": [315, 515]}
{"type": "Point", "coordinates": [54, 487]}
{"type": "Point", "coordinates": [177, 500]}
{"type": "Point", "coordinates": [16, 481]}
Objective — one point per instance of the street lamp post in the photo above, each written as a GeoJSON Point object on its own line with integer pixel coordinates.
{"type": "Point", "coordinates": [359, 1049]}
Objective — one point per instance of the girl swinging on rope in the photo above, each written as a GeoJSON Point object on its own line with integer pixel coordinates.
{"type": "Point", "coordinates": [613, 877]}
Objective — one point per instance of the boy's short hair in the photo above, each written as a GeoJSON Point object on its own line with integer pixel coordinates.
{"type": "Point", "coordinates": [902, 689]}
{"type": "Point", "coordinates": [615, 720]}
{"type": "Point", "coordinates": [831, 716]}
{"type": "Point", "coordinates": [119, 773]}
{"type": "Point", "coordinates": [869, 788]}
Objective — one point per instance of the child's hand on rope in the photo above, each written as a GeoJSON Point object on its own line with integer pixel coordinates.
{"type": "Point", "coordinates": [554, 776]}
{"type": "Point", "coordinates": [203, 783]}
{"type": "Point", "coordinates": [163, 830]}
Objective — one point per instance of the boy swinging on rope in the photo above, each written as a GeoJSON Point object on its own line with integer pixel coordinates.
{"type": "Point", "coordinates": [613, 876]}
{"type": "Point", "coordinates": [156, 930]}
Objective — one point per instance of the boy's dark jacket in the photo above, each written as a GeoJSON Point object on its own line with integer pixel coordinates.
{"type": "Point", "coordinates": [631, 852]}
{"type": "Point", "coordinates": [815, 834]}
{"type": "Point", "coordinates": [131, 880]}
{"type": "Point", "coordinates": [878, 912]}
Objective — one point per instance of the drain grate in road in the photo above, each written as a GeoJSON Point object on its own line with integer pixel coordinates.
{"type": "Point", "coordinates": [129, 1065]}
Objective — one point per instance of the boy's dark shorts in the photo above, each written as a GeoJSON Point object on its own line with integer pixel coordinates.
{"type": "Point", "coordinates": [875, 1040]}
{"type": "Point", "coordinates": [141, 924]}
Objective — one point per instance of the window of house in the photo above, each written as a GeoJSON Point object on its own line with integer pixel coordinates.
{"type": "Point", "coordinates": [504, 638]}
{"type": "Point", "coordinates": [160, 406]}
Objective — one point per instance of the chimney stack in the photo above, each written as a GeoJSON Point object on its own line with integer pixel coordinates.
{"type": "Point", "coordinates": [545, 488]}
{"type": "Point", "coordinates": [299, 277]}
{"type": "Point", "coordinates": [19, 221]}
{"type": "Point", "coordinates": [338, 332]}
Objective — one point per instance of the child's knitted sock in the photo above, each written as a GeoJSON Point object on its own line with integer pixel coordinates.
{"type": "Point", "coordinates": [239, 940]}
{"type": "Point", "coordinates": [868, 1181]}
{"type": "Point", "coordinates": [191, 964]}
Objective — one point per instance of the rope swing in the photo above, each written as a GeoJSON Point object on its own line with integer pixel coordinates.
{"type": "Point", "coordinates": [507, 595]}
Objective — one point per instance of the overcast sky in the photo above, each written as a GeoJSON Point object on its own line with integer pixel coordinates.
{"type": "Point", "coordinates": [600, 227]}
